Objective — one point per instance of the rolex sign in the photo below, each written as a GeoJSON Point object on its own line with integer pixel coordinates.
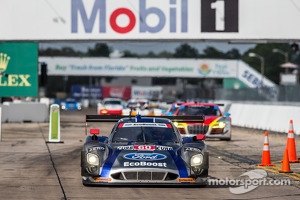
{"type": "Point", "coordinates": [18, 69]}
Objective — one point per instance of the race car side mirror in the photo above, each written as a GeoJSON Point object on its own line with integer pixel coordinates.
{"type": "Point", "coordinates": [199, 137]}
{"type": "Point", "coordinates": [94, 131]}
{"type": "Point", "coordinates": [196, 138]}
{"type": "Point", "coordinates": [227, 115]}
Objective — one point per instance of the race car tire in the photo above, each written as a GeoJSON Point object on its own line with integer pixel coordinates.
{"type": "Point", "coordinates": [86, 183]}
{"type": "Point", "coordinates": [225, 139]}
{"type": "Point", "coordinates": [204, 174]}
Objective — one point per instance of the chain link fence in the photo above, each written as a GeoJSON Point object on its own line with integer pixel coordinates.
{"type": "Point", "coordinates": [275, 94]}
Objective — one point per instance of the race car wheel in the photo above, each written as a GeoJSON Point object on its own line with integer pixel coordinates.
{"type": "Point", "coordinates": [86, 183]}
{"type": "Point", "coordinates": [225, 139]}
{"type": "Point", "coordinates": [204, 173]}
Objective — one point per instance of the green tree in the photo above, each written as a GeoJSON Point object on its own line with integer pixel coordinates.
{"type": "Point", "coordinates": [129, 54]}
{"type": "Point", "coordinates": [185, 51]}
{"type": "Point", "coordinates": [272, 61]}
{"type": "Point", "coordinates": [64, 51]}
{"type": "Point", "coordinates": [165, 54]}
{"type": "Point", "coordinates": [294, 54]}
{"type": "Point", "coordinates": [233, 54]}
{"type": "Point", "coordinates": [150, 54]}
{"type": "Point", "coordinates": [211, 52]}
{"type": "Point", "coordinates": [100, 50]}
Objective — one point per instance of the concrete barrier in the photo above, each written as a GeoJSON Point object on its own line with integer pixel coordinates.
{"type": "Point", "coordinates": [25, 112]}
{"type": "Point", "coordinates": [4, 117]}
{"type": "Point", "coordinates": [266, 117]}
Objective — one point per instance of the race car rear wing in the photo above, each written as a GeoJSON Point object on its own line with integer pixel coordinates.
{"type": "Point", "coordinates": [116, 118]}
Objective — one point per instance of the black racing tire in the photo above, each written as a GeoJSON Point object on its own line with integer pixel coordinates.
{"type": "Point", "coordinates": [86, 183]}
{"type": "Point", "coordinates": [204, 173]}
{"type": "Point", "coordinates": [203, 186]}
{"type": "Point", "coordinates": [225, 139]}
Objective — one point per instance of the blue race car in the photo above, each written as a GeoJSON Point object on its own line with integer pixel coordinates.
{"type": "Point", "coordinates": [143, 151]}
{"type": "Point", "coordinates": [70, 104]}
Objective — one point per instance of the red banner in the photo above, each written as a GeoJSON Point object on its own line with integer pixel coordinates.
{"type": "Point", "coordinates": [123, 92]}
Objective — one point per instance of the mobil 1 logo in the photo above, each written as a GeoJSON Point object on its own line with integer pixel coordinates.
{"type": "Point", "coordinates": [219, 15]}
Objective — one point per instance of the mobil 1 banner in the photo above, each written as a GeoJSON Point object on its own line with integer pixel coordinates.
{"type": "Point", "coordinates": [219, 15]}
{"type": "Point", "coordinates": [148, 20]}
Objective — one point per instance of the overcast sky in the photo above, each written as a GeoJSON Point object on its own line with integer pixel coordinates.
{"type": "Point", "coordinates": [145, 47]}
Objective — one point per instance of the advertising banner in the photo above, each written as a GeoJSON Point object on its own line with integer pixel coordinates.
{"type": "Point", "coordinates": [146, 92]}
{"type": "Point", "coordinates": [122, 92]}
{"type": "Point", "coordinates": [86, 92]}
{"type": "Point", "coordinates": [221, 20]}
{"type": "Point", "coordinates": [144, 67]}
{"type": "Point", "coordinates": [18, 69]}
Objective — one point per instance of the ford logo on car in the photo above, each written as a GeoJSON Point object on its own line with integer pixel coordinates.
{"type": "Point", "coordinates": [144, 156]}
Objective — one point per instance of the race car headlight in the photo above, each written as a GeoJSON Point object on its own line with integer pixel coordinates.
{"type": "Point", "coordinates": [92, 159]}
{"type": "Point", "coordinates": [79, 106]}
{"type": "Point", "coordinates": [219, 125]}
{"type": "Point", "coordinates": [63, 106]}
{"type": "Point", "coordinates": [196, 160]}
{"type": "Point", "coordinates": [103, 111]}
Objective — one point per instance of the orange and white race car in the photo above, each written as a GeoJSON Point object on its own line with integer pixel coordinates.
{"type": "Point", "coordinates": [110, 106]}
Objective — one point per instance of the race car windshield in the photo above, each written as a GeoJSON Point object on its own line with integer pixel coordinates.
{"type": "Point", "coordinates": [144, 134]}
{"type": "Point", "coordinates": [132, 104]}
{"type": "Point", "coordinates": [112, 103]}
{"type": "Point", "coordinates": [199, 110]}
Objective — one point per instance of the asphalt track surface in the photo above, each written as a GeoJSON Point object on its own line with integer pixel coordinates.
{"type": "Point", "coordinates": [32, 168]}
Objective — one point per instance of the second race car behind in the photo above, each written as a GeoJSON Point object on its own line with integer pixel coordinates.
{"type": "Point", "coordinates": [215, 125]}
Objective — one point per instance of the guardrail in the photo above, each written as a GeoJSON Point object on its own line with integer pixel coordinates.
{"type": "Point", "coordinates": [24, 112]}
{"type": "Point", "coordinates": [268, 116]}
{"type": "Point", "coordinates": [265, 116]}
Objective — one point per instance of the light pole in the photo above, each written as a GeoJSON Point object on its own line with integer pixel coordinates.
{"type": "Point", "coordinates": [262, 65]}
{"type": "Point", "coordinates": [285, 54]}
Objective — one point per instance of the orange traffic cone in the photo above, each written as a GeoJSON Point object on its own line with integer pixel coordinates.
{"type": "Point", "coordinates": [285, 168]}
{"type": "Point", "coordinates": [290, 145]}
{"type": "Point", "coordinates": [266, 157]}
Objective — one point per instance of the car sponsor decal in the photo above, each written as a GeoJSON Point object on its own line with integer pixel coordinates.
{"type": "Point", "coordinates": [130, 147]}
{"type": "Point", "coordinates": [145, 125]}
{"type": "Point", "coordinates": [186, 180]}
{"type": "Point", "coordinates": [109, 163]}
{"type": "Point", "coordinates": [102, 179]}
{"type": "Point", "coordinates": [192, 149]}
{"type": "Point", "coordinates": [145, 164]}
{"type": "Point", "coordinates": [163, 148]}
{"type": "Point", "coordinates": [180, 165]}
{"type": "Point", "coordinates": [145, 156]}
{"type": "Point", "coordinates": [96, 148]}
{"type": "Point", "coordinates": [144, 147]}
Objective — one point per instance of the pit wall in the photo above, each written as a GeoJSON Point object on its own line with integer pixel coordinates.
{"type": "Point", "coordinates": [267, 117]}
{"type": "Point", "coordinates": [24, 112]}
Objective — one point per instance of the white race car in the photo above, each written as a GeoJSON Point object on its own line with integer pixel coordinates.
{"type": "Point", "coordinates": [110, 106]}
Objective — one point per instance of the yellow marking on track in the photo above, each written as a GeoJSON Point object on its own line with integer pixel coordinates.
{"type": "Point", "coordinates": [275, 169]}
